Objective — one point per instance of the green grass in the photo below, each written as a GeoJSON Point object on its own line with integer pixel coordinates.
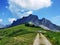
{"type": "Point", "coordinates": [25, 35]}
{"type": "Point", "coordinates": [26, 39]}
{"type": "Point", "coordinates": [54, 37]}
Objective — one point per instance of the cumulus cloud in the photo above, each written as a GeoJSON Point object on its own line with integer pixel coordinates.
{"type": "Point", "coordinates": [11, 20]}
{"type": "Point", "coordinates": [32, 4]}
{"type": "Point", "coordinates": [19, 7]}
{"type": "Point", "coordinates": [1, 20]}
{"type": "Point", "coordinates": [26, 14]}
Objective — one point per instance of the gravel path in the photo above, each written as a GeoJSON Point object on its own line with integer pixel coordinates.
{"type": "Point", "coordinates": [37, 40]}
{"type": "Point", "coordinates": [41, 40]}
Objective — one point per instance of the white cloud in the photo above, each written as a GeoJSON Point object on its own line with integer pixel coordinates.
{"type": "Point", "coordinates": [1, 20]}
{"type": "Point", "coordinates": [30, 12]}
{"type": "Point", "coordinates": [11, 20]}
{"type": "Point", "coordinates": [26, 14]}
{"type": "Point", "coordinates": [32, 4]}
{"type": "Point", "coordinates": [21, 7]}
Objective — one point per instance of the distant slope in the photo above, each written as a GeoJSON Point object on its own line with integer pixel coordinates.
{"type": "Point", "coordinates": [25, 35]}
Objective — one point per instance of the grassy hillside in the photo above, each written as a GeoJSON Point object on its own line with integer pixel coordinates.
{"type": "Point", "coordinates": [54, 37]}
{"type": "Point", "coordinates": [24, 35]}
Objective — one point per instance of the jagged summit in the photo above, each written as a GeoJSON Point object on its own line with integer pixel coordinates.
{"type": "Point", "coordinates": [37, 22]}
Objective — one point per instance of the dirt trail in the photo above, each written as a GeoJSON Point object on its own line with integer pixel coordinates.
{"type": "Point", "coordinates": [37, 40]}
{"type": "Point", "coordinates": [41, 40]}
{"type": "Point", "coordinates": [44, 40]}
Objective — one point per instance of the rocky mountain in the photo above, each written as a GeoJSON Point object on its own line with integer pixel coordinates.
{"type": "Point", "coordinates": [43, 23]}
{"type": "Point", "coordinates": [49, 25]}
{"type": "Point", "coordinates": [30, 18]}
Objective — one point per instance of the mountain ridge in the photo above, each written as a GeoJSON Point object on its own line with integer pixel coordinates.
{"type": "Point", "coordinates": [37, 22]}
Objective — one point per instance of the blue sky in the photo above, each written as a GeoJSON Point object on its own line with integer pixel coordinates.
{"type": "Point", "coordinates": [52, 12]}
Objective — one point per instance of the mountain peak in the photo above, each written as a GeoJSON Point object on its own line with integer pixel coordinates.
{"type": "Point", "coordinates": [31, 15]}
{"type": "Point", "coordinates": [36, 21]}
{"type": "Point", "coordinates": [43, 18]}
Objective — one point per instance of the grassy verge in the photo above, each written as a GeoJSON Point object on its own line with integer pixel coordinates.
{"type": "Point", "coordinates": [24, 35]}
